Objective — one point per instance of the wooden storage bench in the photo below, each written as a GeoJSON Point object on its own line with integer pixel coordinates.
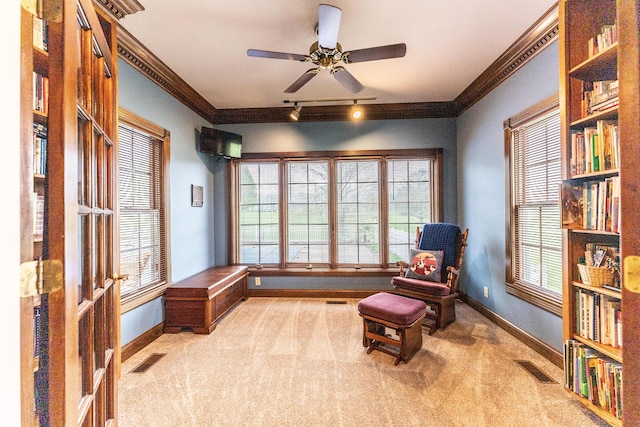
{"type": "Point", "coordinates": [197, 302]}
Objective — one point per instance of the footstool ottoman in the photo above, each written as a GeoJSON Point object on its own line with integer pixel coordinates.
{"type": "Point", "coordinates": [402, 314]}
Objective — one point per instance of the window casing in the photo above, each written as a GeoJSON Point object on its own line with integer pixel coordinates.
{"type": "Point", "coordinates": [332, 210]}
{"type": "Point", "coordinates": [143, 158]}
{"type": "Point", "coordinates": [534, 244]}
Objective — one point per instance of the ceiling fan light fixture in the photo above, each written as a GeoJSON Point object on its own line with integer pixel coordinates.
{"type": "Point", "coordinates": [295, 113]}
{"type": "Point", "coordinates": [356, 112]}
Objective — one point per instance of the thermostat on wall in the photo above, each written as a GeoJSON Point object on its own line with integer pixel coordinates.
{"type": "Point", "coordinates": [196, 195]}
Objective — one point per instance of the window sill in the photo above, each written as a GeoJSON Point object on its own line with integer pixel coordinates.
{"type": "Point", "coordinates": [324, 271]}
{"type": "Point", "coordinates": [136, 299]}
{"type": "Point", "coordinates": [539, 297]}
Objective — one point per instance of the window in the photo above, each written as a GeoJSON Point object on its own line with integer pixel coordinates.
{"type": "Point", "coordinates": [259, 213]}
{"type": "Point", "coordinates": [308, 212]}
{"type": "Point", "coordinates": [534, 272]}
{"type": "Point", "coordinates": [332, 210]}
{"type": "Point", "coordinates": [142, 161]}
{"type": "Point", "coordinates": [358, 204]}
{"type": "Point", "coordinates": [410, 190]}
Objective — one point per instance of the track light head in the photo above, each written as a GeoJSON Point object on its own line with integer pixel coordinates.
{"type": "Point", "coordinates": [295, 114]}
{"type": "Point", "coordinates": [356, 112]}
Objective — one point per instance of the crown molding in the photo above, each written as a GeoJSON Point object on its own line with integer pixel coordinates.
{"type": "Point", "coordinates": [333, 113]}
{"type": "Point", "coordinates": [138, 56]}
{"type": "Point", "coordinates": [120, 8]}
{"type": "Point", "coordinates": [533, 41]}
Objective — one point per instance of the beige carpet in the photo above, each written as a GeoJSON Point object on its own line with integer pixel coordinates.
{"type": "Point", "coordinates": [300, 362]}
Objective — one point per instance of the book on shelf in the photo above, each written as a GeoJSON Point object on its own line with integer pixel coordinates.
{"type": "Point", "coordinates": [38, 215]}
{"type": "Point", "coordinates": [598, 317]}
{"type": "Point", "coordinates": [595, 148]}
{"type": "Point", "coordinates": [598, 96]}
{"type": "Point", "coordinates": [591, 204]}
{"type": "Point", "coordinates": [39, 149]}
{"type": "Point", "coordinates": [40, 34]}
{"type": "Point", "coordinates": [593, 376]}
{"type": "Point", "coordinates": [40, 93]}
{"type": "Point", "coordinates": [607, 36]}
{"type": "Point", "coordinates": [571, 205]}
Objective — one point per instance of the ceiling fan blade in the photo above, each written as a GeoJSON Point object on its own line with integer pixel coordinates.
{"type": "Point", "coordinates": [302, 80]}
{"type": "Point", "coordinates": [328, 25]}
{"type": "Point", "coordinates": [375, 53]}
{"type": "Point", "coordinates": [346, 79]}
{"type": "Point", "coordinates": [276, 55]}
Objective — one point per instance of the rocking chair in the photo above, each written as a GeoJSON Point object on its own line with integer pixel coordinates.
{"type": "Point", "coordinates": [433, 271]}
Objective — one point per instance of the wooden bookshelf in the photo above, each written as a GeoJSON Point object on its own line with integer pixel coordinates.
{"type": "Point", "coordinates": [616, 59]}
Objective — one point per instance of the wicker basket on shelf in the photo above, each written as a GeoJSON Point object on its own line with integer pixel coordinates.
{"type": "Point", "coordinates": [595, 276]}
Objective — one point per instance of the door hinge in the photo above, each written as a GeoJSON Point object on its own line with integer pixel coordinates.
{"type": "Point", "coordinates": [40, 277]}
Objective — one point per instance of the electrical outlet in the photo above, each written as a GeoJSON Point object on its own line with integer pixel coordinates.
{"type": "Point", "coordinates": [486, 292]}
{"type": "Point", "coordinates": [257, 279]}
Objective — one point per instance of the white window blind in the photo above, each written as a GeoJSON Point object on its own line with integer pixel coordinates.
{"type": "Point", "coordinates": [537, 251]}
{"type": "Point", "coordinates": [140, 185]}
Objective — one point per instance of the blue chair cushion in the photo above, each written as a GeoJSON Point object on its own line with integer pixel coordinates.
{"type": "Point", "coordinates": [441, 236]}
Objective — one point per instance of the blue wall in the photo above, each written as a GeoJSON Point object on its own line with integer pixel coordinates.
{"type": "Point", "coordinates": [336, 136]}
{"type": "Point", "coordinates": [474, 184]}
{"type": "Point", "coordinates": [481, 192]}
{"type": "Point", "coordinates": [191, 230]}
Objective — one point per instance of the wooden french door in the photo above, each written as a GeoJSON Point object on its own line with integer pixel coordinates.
{"type": "Point", "coordinates": [77, 332]}
{"type": "Point", "coordinates": [97, 311]}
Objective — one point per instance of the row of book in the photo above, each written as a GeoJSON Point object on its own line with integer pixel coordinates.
{"type": "Point", "coordinates": [598, 317]}
{"type": "Point", "coordinates": [40, 93]}
{"type": "Point", "coordinates": [595, 149]}
{"type": "Point", "coordinates": [598, 96]}
{"type": "Point", "coordinates": [39, 149]}
{"type": "Point", "coordinates": [608, 36]}
{"type": "Point", "coordinates": [40, 34]}
{"type": "Point", "coordinates": [591, 205]}
{"type": "Point", "coordinates": [593, 376]}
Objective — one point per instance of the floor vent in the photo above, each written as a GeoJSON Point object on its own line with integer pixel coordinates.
{"type": "Point", "coordinates": [148, 362]}
{"type": "Point", "coordinates": [336, 302]}
{"type": "Point", "coordinates": [537, 373]}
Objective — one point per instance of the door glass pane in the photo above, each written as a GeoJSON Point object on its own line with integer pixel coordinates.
{"type": "Point", "coordinates": [84, 275]}
{"type": "Point", "coordinates": [84, 160]}
{"type": "Point", "coordinates": [85, 356]}
{"type": "Point", "coordinates": [98, 142]}
{"type": "Point", "coordinates": [98, 249]}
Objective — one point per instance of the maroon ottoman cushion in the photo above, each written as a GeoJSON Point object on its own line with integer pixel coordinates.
{"type": "Point", "coordinates": [392, 308]}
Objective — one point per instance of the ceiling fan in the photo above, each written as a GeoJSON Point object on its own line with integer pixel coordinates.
{"type": "Point", "coordinates": [327, 53]}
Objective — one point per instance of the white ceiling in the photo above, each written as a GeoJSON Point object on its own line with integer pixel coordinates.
{"type": "Point", "coordinates": [449, 43]}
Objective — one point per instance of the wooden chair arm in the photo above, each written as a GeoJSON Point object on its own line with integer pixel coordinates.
{"type": "Point", "coordinates": [403, 265]}
{"type": "Point", "coordinates": [452, 277]}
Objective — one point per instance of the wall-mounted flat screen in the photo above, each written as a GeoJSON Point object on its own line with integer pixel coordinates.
{"type": "Point", "coordinates": [221, 143]}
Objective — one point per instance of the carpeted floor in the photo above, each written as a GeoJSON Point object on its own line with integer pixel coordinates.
{"type": "Point", "coordinates": [300, 362]}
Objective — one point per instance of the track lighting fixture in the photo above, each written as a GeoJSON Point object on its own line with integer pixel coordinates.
{"type": "Point", "coordinates": [355, 112]}
{"type": "Point", "coordinates": [295, 114]}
